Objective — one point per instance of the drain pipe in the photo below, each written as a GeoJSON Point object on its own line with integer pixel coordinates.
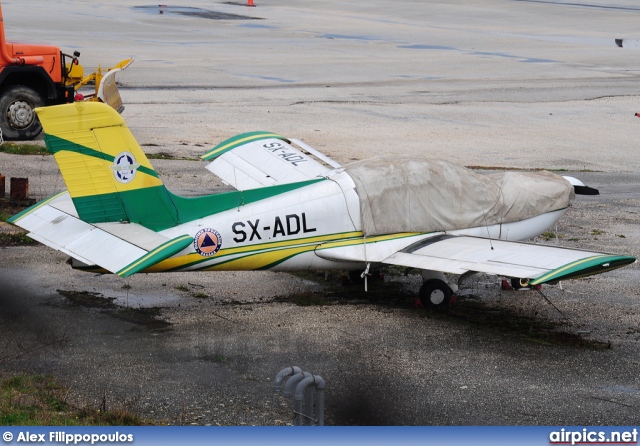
{"type": "Point", "coordinates": [301, 385]}
{"type": "Point", "coordinates": [305, 387]}
{"type": "Point", "coordinates": [303, 392]}
{"type": "Point", "coordinates": [292, 382]}
{"type": "Point", "coordinates": [319, 399]}
{"type": "Point", "coordinates": [282, 374]}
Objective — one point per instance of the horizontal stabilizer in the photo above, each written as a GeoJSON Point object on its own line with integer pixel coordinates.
{"type": "Point", "coordinates": [258, 159]}
{"type": "Point", "coordinates": [121, 248]}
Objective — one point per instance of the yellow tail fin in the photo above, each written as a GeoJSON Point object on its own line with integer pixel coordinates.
{"type": "Point", "coordinates": [106, 172]}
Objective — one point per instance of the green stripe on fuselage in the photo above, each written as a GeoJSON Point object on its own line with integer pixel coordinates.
{"type": "Point", "coordinates": [156, 208]}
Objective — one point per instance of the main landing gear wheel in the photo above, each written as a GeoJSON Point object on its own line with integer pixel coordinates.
{"type": "Point", "coordinates": [518, 284]}
{"type": "Point", "coordinates": [435, 294]}
{"type": "Point", "coordinates": [18, 118]}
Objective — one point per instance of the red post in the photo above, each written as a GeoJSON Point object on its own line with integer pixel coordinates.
{"type": "Point", "coordinates": [250, 3]}
{"type": "Point", "coordinates": [19, 189]}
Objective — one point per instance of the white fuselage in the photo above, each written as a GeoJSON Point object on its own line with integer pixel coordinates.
{"type": "Point", "coordinates": [289, 231]}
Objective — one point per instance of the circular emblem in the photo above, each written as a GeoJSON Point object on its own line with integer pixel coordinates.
{"type": "Point", "coordinates": [124, 167]}
{"type": "Point", "coordinates": [207, 242]}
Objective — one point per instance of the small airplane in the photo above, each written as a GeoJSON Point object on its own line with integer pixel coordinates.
{"type": "Point", "coordinates": [295, 209]}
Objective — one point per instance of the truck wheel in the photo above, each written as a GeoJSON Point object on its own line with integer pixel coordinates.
{"type": "Point", "coordinates": [18, 119]}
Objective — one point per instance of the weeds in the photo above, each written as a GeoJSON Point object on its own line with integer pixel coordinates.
{"type": "Point", "coordinates": [39, 400]}
{"type": "Point", "coordinates": [200, 295]}
{"type": "Point", "coordinates": [550, 235]}
{"type": "Point", "coordinates": [15, 239]}
{"type": "Point", "coordinates": [23, 149]}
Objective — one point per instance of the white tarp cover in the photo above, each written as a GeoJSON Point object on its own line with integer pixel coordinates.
{"type": "Point", "coordinates": [402, 194]}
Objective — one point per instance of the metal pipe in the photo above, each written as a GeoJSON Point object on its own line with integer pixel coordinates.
{"type": "Point", "coordinates": [301, 389]}
{"type": "Point", "coordinates": [297, 402]}
{"type": "Point", "coordinates": [4, 55]}
{"type": "Point", "coordinates": [292, 382]}
{"type": "Point", "coordinates": [287, 371]}
{"type": "Point", "coordinates": [308, 405]}
{"type": "Point", "coordinates": [320, 385]}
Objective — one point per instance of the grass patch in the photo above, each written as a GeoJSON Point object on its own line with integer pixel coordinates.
{"type": "Point", "coordinates": [168, 156]}
{"type": "Point", "coordinates": [23, 149]}
{"type": "Point", "coordinates": [15, 239]}
{"type": "Point", "coordinates": [550, 235]}
{"type": "Point", "coordinates": [218, 358]}
{"type": "Point", "coordinates": [39, 400]}
{"type": "Point", "coordinates": [200, 295]}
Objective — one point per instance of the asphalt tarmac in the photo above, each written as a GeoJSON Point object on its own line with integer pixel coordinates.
{"type": "Point", "coordinates": [518, 84]}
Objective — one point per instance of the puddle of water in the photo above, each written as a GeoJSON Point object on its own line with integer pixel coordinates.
{"type": "Point", "coordinates": [257, 25]}
{"type": "Point", "coordinates": [191, 12]}
{"type": "Point", "coordinates": [429, 47]}
{"type": "Point", "coordinates": [479, 53]}
{"type": "Point", "coordinates": [511, 56]}
{"type": "Point", "coordinates": [585, 5]}
{"type": "Point", "coordinates": [143, 301]}
{"type": "Point", "coordinates": [344, 36]}
{"type": "Point", "coordinates": [534, 60]}
{"type": "Point", "coordinates": [268, 78]}
{"type": "Point", "coordinates": [623, 390]}
{"type": "Point", "coordinates": [578, 40]}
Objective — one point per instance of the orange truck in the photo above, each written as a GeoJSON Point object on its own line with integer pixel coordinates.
{"type": "Point", "coordinates": [39, 75]}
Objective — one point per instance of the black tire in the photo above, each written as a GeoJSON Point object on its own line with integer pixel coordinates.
{"type": "Point", "coordinates": [18, 119]}
{"type": "Point", "coordinates": [517, 284]}
{"type": "Point", "coordinates": [435, 294]}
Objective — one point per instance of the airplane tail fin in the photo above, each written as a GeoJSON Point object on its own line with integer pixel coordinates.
{"type": "Point", "coordinates": [106, 172]}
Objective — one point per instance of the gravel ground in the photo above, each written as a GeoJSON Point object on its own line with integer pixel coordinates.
{"type": "Point", "coordinates": [495, 83]}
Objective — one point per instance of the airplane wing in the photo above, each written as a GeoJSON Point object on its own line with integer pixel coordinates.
{"type": "Point", "coordinates": [121, 248]}
{"type": "Point", "coordinates": [459, 254]}
{"type": "Point", "coordinates": [258, 159]}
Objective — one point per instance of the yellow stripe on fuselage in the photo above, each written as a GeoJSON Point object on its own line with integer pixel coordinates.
{"type": "Point", "coordinates": [264, 254]}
